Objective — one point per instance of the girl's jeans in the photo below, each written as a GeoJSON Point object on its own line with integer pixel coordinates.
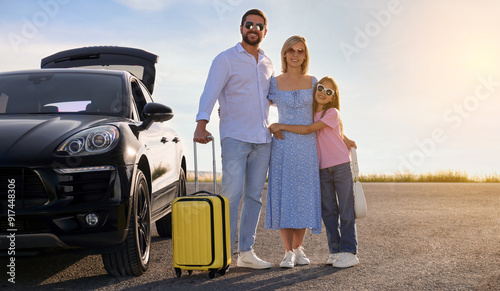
{"type": "Point", "coordinates": [337, 207]}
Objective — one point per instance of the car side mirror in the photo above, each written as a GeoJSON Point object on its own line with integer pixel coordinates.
{"type": "Point", "coordinates": [155, 112]}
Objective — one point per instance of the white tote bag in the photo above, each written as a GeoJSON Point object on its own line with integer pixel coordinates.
{"type": "Point", "coordinates": [359, 195]}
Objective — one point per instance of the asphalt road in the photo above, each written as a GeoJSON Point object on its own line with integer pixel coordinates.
{"type": "Point", "coordinates": [417, 236]}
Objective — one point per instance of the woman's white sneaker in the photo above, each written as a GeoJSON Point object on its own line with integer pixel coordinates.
{"type": "Point", "coordinates": [300, 256]}
{"type": "Point", "coordinates": [289, 260]}
{"type": "Point", "coordinates": [346, 260]}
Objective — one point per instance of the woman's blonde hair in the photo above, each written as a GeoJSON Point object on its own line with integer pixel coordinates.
{"type": "Point", "coordinates": [335, 103]}
{"type": "Point", "coordinates": [288, 44]}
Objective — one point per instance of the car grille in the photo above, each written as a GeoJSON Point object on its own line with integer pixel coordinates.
{"type": "Point", "coordinates": [87, 186]}
{"type": "Point", "coordinates": [25, 225]}
{"type": "Point", "coordinates": [29, 190]}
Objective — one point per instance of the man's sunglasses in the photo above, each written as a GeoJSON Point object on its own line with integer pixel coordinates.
{"type": "Point", "coordinates": [251, 25]}
{"type": "Point", "coordinates": [328, 91]}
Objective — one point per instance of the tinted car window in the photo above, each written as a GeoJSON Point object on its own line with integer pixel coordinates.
{"type": "Point", "coordinates": [146, 95]}
{"type": "Point", "coordinates": [83, 93]}
{"type": "Point", "coordinates": [139, 98]}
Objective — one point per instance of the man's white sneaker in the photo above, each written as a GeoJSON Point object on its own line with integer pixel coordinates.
{"type": "Point", "coordinates": [300, 256]}
{"type": "Point", "coordinates": [332, 258]}
{"type": "Point", "coordinates": [250, 260]}
{"type": "Point", "coordinates": [346, 260]}
{"type": "Point", "coordinates": [289, 260]}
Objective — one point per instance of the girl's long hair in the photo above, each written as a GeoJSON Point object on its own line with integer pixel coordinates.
{"type": "Point", "coordinates": [335, 103]}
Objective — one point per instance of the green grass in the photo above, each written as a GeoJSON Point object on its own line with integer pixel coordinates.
{"type": "Point", "coordinates": [492, 178]}
{"type": "Point", "coordinates": [449, 176]}
{"type": "Point", "coordinates": [203, 176]}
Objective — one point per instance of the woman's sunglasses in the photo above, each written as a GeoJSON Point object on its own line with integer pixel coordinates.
{"type": "Point", "coordinates": [251, 25]}
{"type": "Point", "coordinates": [292, 51]}
{"type": "Point", "coordinates": [328, 91]}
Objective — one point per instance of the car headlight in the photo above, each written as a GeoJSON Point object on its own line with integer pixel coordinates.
{"type": "Point", "coordinates": [92, 141]}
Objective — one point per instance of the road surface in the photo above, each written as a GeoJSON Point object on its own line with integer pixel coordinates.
{"type": "Point", "coordinates": [417, 236]}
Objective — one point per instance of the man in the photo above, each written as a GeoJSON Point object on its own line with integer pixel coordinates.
{"type": "Point", "coordinates": [239, 79]}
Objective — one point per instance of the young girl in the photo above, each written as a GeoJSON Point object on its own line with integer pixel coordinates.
{"type": "Point", "coordinates": [337, 199]}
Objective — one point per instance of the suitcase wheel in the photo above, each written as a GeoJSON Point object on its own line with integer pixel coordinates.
{"type": "Point", "coordinates": [211, 274]}
{"type": "Point", "coordinates": [222, 272]}
{"type": "Point", "coordinates": [178, 272]}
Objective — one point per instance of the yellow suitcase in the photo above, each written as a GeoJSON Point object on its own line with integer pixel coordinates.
{"type": "Point", "coordinates": [201, 232]}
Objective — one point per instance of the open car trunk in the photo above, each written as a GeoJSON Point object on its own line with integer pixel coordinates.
{"type": "Point", "coordinates": [136, 61]}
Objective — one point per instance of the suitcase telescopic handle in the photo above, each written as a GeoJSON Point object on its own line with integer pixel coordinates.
{"type": "Point", "coordinates": [210, 138]}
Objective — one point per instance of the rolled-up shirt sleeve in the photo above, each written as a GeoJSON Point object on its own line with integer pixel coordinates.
{"type": "Point", "coordinates": [216, 81]}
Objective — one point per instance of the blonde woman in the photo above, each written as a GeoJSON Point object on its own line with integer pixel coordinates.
{"type": "Point", "coordinates": [294, 196]}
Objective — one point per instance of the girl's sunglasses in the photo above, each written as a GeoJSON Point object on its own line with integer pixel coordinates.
{"type": "Point", "coordinates": [328, 91]}
{"type": "Point", "coordinates": [251, 25]}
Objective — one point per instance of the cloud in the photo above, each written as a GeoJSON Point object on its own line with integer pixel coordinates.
{"type": "Point", "coordinates": [150, 5]}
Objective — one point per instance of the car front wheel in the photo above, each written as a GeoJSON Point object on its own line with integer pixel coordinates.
{"type": "Point", "coordinates": [132, 259]}
{"type": "Point", "coordinates": [164, 225]}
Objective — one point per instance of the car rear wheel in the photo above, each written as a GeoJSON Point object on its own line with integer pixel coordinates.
{"type": "Point", "coordinates": [164, 225]}
{"type": "Point", "coordinates": [132, 259]}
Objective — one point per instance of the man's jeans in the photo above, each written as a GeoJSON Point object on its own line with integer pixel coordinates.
{"type": "Point", "coordinates": [337, 201]}
{"type": "Point", "coordinates": [244, 172]}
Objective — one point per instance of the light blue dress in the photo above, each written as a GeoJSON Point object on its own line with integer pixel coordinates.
{"type": "Point", "coordinates": [293, 194]}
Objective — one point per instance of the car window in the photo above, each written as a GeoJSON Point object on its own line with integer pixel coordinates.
{"type": "Point", "coordinates": [61, 92]}
{"type": "Point", "coordinates": [67, 106]}
{"type": "Point", "coordinates": [135, 113]}
{"type": "Point", "coordinates": [139, 98]}
{"type": "Point", "coordinates": [145, 93]}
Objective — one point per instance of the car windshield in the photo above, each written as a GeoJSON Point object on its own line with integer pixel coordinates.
{"type": "Point", "coordinates": [62, 92]}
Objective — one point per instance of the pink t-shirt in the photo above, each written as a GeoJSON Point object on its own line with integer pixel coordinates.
{"type": "Point", "coordinates": [332, 150]}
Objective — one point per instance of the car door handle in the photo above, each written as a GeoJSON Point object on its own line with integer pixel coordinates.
{"type": "Point", "coordinates": [164, 140]}
{"type": "Point", "coordinates": [176, 140]}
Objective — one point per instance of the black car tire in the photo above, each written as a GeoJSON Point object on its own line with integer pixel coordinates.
{"type": "Point", "coordinates": [164, 225]}
{"type": "Point", "coordinates": [132, 259]}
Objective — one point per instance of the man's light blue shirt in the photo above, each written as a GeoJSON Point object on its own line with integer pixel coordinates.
{"type": "Point", "coordinates": [241, 85]}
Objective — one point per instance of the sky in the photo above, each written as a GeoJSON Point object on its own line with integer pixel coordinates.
{"type": "Point", "coordinates": [419, 80]}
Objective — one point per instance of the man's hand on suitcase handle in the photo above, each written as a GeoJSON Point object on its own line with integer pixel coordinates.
{"type": "Point", "coordinates": [201, 135]}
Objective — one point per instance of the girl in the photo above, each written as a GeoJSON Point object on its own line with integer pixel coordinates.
{"type": "Point", "coordinates": [337, 200]}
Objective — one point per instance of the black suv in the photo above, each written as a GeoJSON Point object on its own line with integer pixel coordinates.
{"type": "Point", "coordinates": [87, 159]}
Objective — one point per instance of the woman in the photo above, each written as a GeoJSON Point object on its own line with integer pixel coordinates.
{"type": "Point", "coordinates": [294, 197]}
